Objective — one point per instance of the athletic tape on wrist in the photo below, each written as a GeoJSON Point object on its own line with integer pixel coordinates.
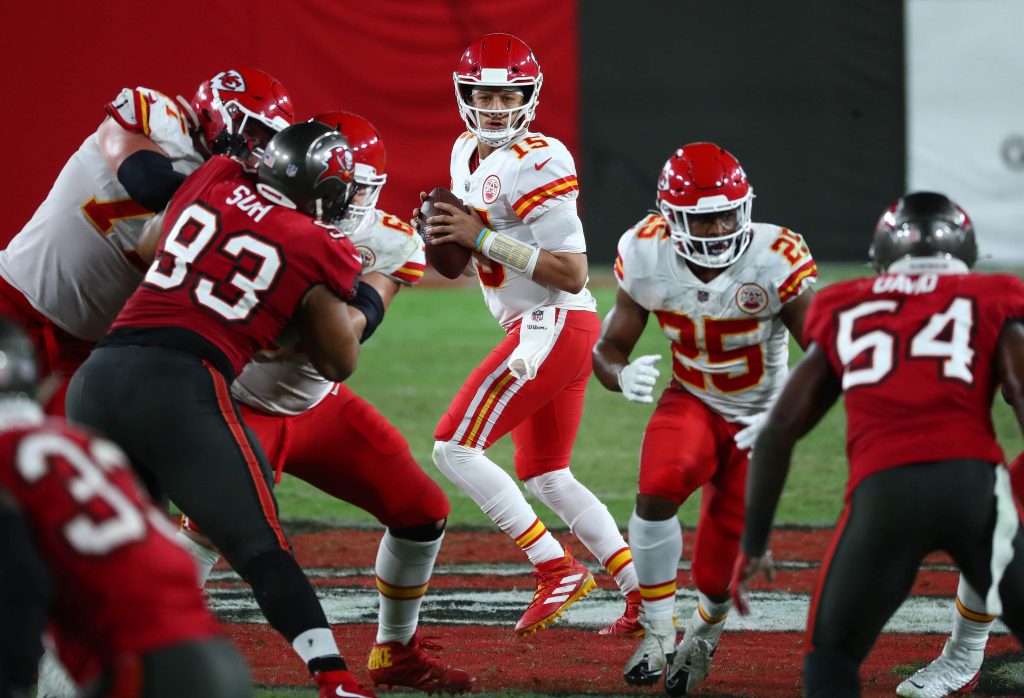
{"type": "Point", "coordinates": [510, 252]}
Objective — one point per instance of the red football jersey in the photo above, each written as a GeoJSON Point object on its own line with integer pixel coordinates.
{"type": "Point", "coordinates": [122, 585]}
{"type": "Point", "coordinates": [915, 354]}
{"type": "Point", "coordinates": [232, 267]}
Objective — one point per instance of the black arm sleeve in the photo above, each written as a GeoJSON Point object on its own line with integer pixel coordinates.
{"type": "Point", "coordinates": [25, 596]}
{"type": "Point", "coordinates": [149, 179]}
{"type": "Point", "coordinates": [371, 305]}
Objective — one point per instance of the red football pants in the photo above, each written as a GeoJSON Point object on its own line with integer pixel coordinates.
{"type": "Point", "coordinates": [688, 446]}
{"type": "Point", "coordinates": [57, 352]}
{"type": "Point", "coordinates": [543, 414]}
{"type": "Point", "coordinates": [344, 447]}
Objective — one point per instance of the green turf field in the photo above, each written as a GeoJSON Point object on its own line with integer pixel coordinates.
{"type": "Point", "coordinates": [433, 337]}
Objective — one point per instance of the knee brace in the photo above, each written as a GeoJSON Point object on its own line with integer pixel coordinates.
{"type": "Point", "coordinates": [423, 533]}
{"type": "Point", "coordinates": [564, 495]}
{"type": "Point", "coordinates": [473, 472]}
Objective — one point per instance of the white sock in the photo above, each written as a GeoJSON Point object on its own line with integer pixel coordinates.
{"type": "Point", "coordinates": [589, 521]}
{"type": "Point", "coordinates": [403, 572]}
{"type": "Point", "coordinates": [971, 625]}
{"type": "Point", "coordinates": [54, 680]}
{"type": "Point", "coordinates": [657, 547]}
{"type": "Point", "coordinates": [499, 497]}
{"type": "Point", "coordinates": [712, 612]}
{"type": "Point", "coordinates": [204, 558]}
{"type": "Point", "coordinates": [314, 643]}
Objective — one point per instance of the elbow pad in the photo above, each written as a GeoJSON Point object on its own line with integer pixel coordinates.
{"type": "Point", "coordinates": [371, 305]}
{"type": "Point", "coordinates": [149, 179]}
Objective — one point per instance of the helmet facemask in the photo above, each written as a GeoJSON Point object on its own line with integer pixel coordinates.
{"type": "Point", "coordinates": [368, 187]}
{"type": "Point", "coordinates": [713, 252]}
{"type": "Point", "coordinates": [518, 118]}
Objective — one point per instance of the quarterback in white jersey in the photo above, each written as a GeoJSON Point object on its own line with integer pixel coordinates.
{"type": "Point", "coordinates": [530, 257]}
{"type": "Point", "coordinates": [67, 273]}
{"type": "Point", "coordinates": [323, 433]}
{"type": "Point", "coordinates": [510, 190]}
{"type": "Point", "coordinates": [727, 293]}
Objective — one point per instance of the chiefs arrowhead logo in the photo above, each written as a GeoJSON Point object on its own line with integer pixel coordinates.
{"type": "Point", "coordinates": [229, 81]}
{"type": "Point", "coordinates": [339, 165]}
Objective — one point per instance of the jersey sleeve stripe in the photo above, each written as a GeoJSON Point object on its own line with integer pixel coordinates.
{"type": "Point", "coordinates": [618, 267]}
{"type": "Point", "coordinates": [535, 198]}
{"type": "Point", "coordinates": [116, 116]}
{"type": "Point", "coordinates": [410, 272]}
{"type": "Point", "coordinates": [142, 112]}
{"type": "Point", "coordinates": [791, 286]}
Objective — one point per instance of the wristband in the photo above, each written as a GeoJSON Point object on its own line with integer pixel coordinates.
{"type": "Point", "coordinates": [510, 252]}
{"type": "Point", "coordinates": [484, 234]}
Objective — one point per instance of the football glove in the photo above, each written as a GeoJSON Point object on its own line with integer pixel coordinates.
{"type": "Point", "coordinates": [638, 378]}
{"type": "Point", "coordinates": [746, 436]}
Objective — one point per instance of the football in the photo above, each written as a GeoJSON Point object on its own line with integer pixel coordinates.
{"type": "Point", "coordinates": [449, 259]}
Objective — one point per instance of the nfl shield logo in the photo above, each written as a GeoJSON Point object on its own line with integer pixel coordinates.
{"type": "Point", "coordinates": [703, 295]}
{"type": "Point", "coordinates": [538, 315]}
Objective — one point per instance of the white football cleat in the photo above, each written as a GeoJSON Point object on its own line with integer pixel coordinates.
{"type": "Point", "coordinates": [952, 672]}
{"type": "Point", "coordinates": [647, 663]}
{"type": "Point", "coordinates": [692, 660]}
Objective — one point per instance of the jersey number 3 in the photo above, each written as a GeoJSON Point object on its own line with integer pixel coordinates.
{"type": "Point", "coordinates": [192, 234]}
{"type": "Point", "coordinates": [946, 336]}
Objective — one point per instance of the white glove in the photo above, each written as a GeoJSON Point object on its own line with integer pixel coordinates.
{"type": "Point", "coordinates": [638, 378]}
{"type": "Point", "coordinates": [746, 436]}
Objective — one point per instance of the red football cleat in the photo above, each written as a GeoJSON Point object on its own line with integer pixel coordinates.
{"type": "Point", "coordinates": [340, 684]}
{"type": "Point", "coordinates": [629, 623]}
{"type": "Point", "coordinates": [560, 584]}
{"type": "Point", "coordinates": [394, 664]}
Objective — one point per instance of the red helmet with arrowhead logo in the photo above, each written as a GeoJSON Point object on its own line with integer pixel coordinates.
{"type": "Point", "coordinates": [238, 110]}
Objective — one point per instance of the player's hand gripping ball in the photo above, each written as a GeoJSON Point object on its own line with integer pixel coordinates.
{"type": "Point", "coordinates": [449, 259]}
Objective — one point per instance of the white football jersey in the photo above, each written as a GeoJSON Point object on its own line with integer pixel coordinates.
{"type": "Point", "coordinates": [510, 189]}
{"type": "Point", "coordinates": [75, 259]}
{"type": "Point", "coordinates": [729, 346]}
{"type": "Point", "coordinates": [284, 381]}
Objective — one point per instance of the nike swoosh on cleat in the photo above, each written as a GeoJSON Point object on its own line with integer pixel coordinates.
{"type": "Point", "coordinates": [540, 165]}
{"type": "Point", "coordinates": [915, 684]}
{"type": "Point", "coordinates": [342, 693]}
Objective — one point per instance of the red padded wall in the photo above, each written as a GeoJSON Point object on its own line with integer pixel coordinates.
{"type": "Point", "coordinates": [390, 60]}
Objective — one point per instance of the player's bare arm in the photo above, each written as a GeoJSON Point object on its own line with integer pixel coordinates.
{"type": "Point", "coordinates": [1010, 367]}
{"type": "Point", "coordinates": [142, 167]}
{"type": "Point", "coordinates": [620, 332]}
{"type": "Point", "coordinates": [118, 143]}
{"type": "Point", "coordinates": [793, 314]}
{"type": "Point", "coordinates": [387, 288]}
{"type": "Point", "coordinates": [566, 271]}
{"type": "Point", "coordinates": [812, 388]}
{"type": "Point", "coordinates": [149, 240]}
{"type": "Point", "coordinates": [328, 333]}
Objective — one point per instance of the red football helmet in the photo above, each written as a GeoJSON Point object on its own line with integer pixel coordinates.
{"type": "Point", "coordinates": [368, 150]}
{"type": "Point", "coordinates": [701, 179]}
{"type": "Point", "coordinates": [498, 60]}
{"type": "Point", "coordinates": [225, 105]}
